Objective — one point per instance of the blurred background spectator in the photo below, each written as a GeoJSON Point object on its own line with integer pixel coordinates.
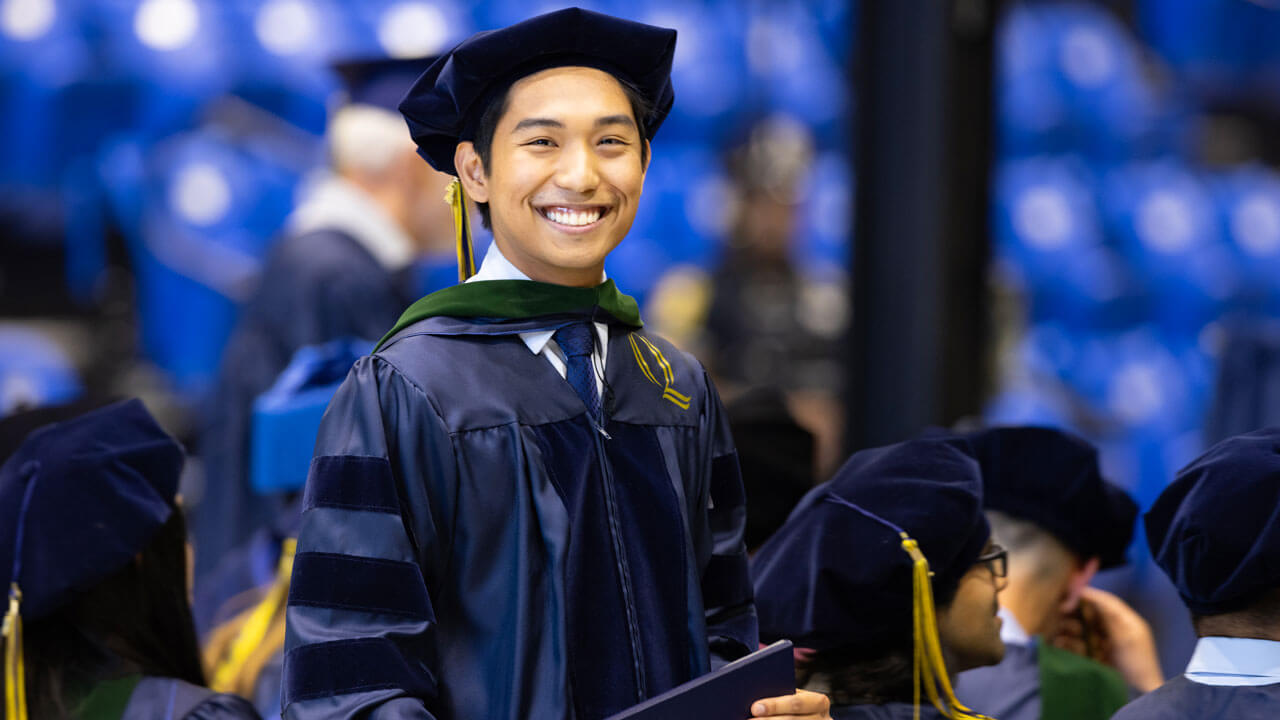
{"type": "Point", "coordinates": [153, 149]}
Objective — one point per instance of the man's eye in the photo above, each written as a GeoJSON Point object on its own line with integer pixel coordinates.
{"type": "Point", "coordinates": [613, 141]}
{"type": "Point", "coordinates": [540, 141]}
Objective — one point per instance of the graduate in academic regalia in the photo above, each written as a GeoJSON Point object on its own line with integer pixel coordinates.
{"type": "Point", "coordinates": [885, 578]}
{"type": "Point", "coordinates": [94, 552]}
{"type": "Point", "coordinates": [340, 269]}
{"type": "Point", "coordinates": [1215, 531]}
{"type": "Point", "coordinates": [523, 504]}
{"type": "Point", "coordinates": [1061, 522]}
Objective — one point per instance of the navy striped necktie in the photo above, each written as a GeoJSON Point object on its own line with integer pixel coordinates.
{"type": "Point", "coordinates": [577, 341]}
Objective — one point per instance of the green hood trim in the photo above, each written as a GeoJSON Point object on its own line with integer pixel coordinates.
{"type": "Point", "coordinates": [108, 699]}
{"type": "Point", "coordinates": [519, 300]}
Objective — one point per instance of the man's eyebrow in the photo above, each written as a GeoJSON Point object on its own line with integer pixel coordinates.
{"type": "Point", "coordinates": [537, 122]}
{"type": "Point", "coordinates": [615, 120]}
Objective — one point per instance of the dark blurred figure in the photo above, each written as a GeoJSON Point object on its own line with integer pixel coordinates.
{"type": "Point", "coordinates": [776, 456]}
{"type": "Point", "coordinates": [341, 269]}
{"type": "Point", "coordinates": [886, 578]}
{"type": "Point", "coordinates": [767, 323]}
{"type": "Point", "coordinates": [95, 554]}
{"type": "Point", "coordinates": [1061, 522]}
{"type": "Point", "coordinates": [1215, 531]}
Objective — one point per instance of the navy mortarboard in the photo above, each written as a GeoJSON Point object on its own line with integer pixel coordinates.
{"type": "Point", "coordinates": [447, 103]}
{"type": "Point", "coordinates": [861, 559]}
{"type": "Point", "coordinates": [78, 500]}
{"type": "Point", "coordinates": [1051, 478]}
{"type": "Point", "coordinates": [381, 81]}
{"type": "Point", "coordinates": [1216, 529]}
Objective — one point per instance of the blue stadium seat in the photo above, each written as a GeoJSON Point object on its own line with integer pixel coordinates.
{"type": "Point", "coordinates": [173, 54]}
{"type": "Point", "coordinates": [1248, 202]}
{"type": "Point", "coordinates": [287, 416]}
{"type": "Point", "coordinates": [207, 214]}
{"type": "Point", "coordinates": [1049, 245]}
{"type": "Point", "coordinates": [1070, 78]}
{"type": "Point", "coordinates": [1163, 221]}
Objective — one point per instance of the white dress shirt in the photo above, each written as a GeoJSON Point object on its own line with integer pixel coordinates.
{"type": "Point", "coordinates": [497, 267]}
{"type": "Point", "coordinates": [1235, 661]}
{"type": "Point", "coordinates": [1011, 632]}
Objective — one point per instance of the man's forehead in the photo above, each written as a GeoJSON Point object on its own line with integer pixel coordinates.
{"type": "Point", "coordinates": [583, 83]}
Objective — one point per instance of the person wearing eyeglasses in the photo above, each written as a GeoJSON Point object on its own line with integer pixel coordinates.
{"type": "Point", "coordinates": [1048, 503]}
{"type": "Point", "coordinates": [1215, 531]}
{"type": "Point", "coordinates": [886, 578]}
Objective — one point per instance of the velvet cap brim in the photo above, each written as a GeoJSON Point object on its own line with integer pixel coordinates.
{"type": "Point", "coordinates": [79, 499]}
{"type": "Point", "coordinates": [831, 576]}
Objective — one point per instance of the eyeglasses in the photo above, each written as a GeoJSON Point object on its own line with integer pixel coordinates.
{"type": "Point", "coordinates": [996, 559]}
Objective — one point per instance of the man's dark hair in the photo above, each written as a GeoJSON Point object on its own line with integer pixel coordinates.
{"type": "Point", "coordinates": [1259, 615]}
{"type": "Point", "coordinates": [863, 674]}
{"type": "Point", "coordinates": [488, 125]}
{"type": "Point", "coordinates": [137, 621]}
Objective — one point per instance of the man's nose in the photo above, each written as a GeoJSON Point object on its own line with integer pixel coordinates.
{"type": "Point", "coordinates": [577, 171]}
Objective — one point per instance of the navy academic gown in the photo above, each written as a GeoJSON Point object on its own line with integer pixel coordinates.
{"type": "Point", "coordinates": [1184, 699]}
{"type": "Point", "coordinates": [473, 547]}
{"type": "Point", "coordinates": [315, 287]}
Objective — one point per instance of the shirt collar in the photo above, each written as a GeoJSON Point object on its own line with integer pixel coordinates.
{"type": "Point", "coordinates": [333, 203]}
{"type": "Point", "coordinates": [1235, 661]}
{"type": "Point", "coordinates": [1011, 631]}
{"type": "Point", "coordinates": [496, 266]}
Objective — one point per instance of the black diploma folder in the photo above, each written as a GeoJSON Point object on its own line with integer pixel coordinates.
{"type": "Point", "coordinates": [725, 694]}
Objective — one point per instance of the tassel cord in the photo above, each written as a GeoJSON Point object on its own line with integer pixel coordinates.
{"type": "Point", "coordinates": [457, 199]}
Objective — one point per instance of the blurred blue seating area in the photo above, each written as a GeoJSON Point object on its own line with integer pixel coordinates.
{"type": "Point", "coordinates": [183, 128]}
{"type": "Point", "coordinates": [1133, 253]}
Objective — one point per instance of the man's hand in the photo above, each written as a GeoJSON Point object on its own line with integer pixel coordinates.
{"type": "Point", "coordinates": [802, 705]}
{"type": "Point", "coordinates": [1118, 637]}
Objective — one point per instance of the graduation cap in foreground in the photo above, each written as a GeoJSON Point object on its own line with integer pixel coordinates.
{"type": "Point", "coordinates": [862, 556]}
{"type": "Point", "coordinates": [1215, 530]}
{"type": "Point", "coordinates": [445, 106]}
{"type": "Point", "coordinates": [379, 81]}
{"type": "Point", "coordinates": [1051, 478]}
{"type": "Point", "coordinates": [78, 500]}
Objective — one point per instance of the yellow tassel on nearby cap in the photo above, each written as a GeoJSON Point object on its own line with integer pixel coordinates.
{"type": "Point", "coordinates": [15, 681]}
{"type": "Point", "coordinates": [457, 199]}
{"type": "Point", "coordinates": [254, 631]}
{"type": "Point", "coordinates": [928, 667]}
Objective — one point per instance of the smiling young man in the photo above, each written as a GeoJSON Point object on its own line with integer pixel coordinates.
{"type": "Point", "coordinates": [522, 505]}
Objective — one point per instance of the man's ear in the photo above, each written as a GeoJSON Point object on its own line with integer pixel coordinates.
{"type": "Point", "coordinates": [648, 156]}
{"type": "Point", "coordinates": [471, 172]}
{"type": "Point", "coordinates": [1081, 576]}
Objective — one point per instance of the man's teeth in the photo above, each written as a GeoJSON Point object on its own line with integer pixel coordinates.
{"type": "Point", "coordinates": [576, 218]}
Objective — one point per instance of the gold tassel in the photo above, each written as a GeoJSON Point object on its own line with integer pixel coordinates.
{"type": "Point", "coordinates": [928, 667]}
{"type": "Point", "coordinates": [457, 199]}
{"type": "Point", "coordinates": [256, 626]}
{"type": "Point", "coordinates": [15, 681]}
